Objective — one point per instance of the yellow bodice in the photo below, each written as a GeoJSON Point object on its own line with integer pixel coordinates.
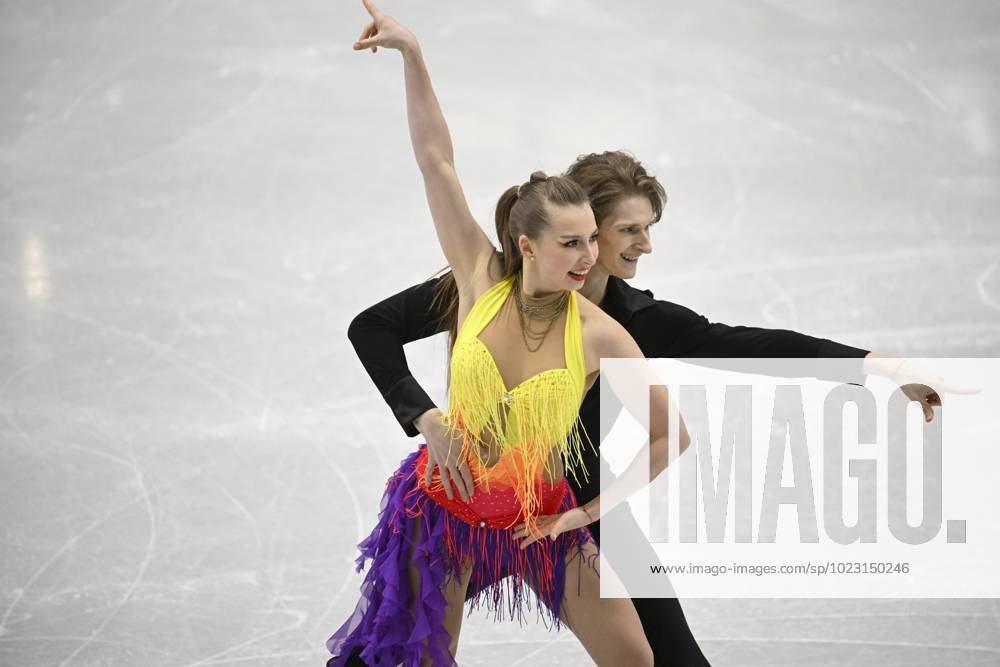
{"type": "Point", "coordinates": [524, 424]}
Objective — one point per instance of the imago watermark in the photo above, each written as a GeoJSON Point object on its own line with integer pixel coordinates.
{"type": "Point", "coordinates": [799, 477]}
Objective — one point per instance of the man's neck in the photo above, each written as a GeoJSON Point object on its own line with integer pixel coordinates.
{"type": "Point", "coordinates": [596, 285]}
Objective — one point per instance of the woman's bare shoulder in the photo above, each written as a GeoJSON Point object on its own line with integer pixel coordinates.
{"type": "Point", "coordinates": [603, 336]}
{"type": "Point", "coordinates": [594, 321]}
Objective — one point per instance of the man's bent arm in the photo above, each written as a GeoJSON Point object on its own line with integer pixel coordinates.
{"type": "Point", "coordinates": [378, 334]}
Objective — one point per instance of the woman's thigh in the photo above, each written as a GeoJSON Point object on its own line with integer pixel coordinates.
{"type": "Point", "coordinates": [608, 628]}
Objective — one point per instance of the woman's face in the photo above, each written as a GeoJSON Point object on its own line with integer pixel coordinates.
{"type": "Point", "coordinates": [624, 236]}
{"type": "Point", "coordinates": [564, 251]}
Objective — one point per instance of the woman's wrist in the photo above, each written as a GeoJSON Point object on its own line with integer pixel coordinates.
{"type": "Point", "coordinates": [410, 47]}
{"type": "Point", "coordinates": [593, 513]}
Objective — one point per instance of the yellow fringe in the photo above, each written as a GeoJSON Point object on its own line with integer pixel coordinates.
{"type": "Point", "coordinates": [540, 416]}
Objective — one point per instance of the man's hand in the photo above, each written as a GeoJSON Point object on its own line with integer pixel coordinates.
{"type": "Point", "coordinates": [916, 382]}
{"type": "Point", "coordinates": [444, 453]}
{"type": "Point", "coordinates": [925, 396]}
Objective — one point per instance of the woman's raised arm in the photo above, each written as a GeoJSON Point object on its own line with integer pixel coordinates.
{"type": "Point", "coordinates": [465, 245]}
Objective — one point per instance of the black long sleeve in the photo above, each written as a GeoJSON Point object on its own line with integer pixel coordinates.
{"type": "Point", "coordinates": [670, 330]}
{"type": "Point", "coordinates": [667, 330]}
{"type": "Point", "coordinates": [378, 334]}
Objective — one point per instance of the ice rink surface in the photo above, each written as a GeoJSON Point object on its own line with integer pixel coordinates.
{"type": "Point", "coordinates": [197, 197]}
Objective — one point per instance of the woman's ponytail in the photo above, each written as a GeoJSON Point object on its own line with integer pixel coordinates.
{"type": "Point", "coordinates": [510, 254]}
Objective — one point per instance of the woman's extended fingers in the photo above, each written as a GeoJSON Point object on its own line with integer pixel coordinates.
{"type": "Point", "coordinates": [371, 42]}
{"type": "Point", "coordinates": [530, 539]}
{"type": "Point", "coordinates": [372, 34]}
{"type": "Point", "coordinates": [540, 534]}
{"type": "Point", "coordinates": [367, 32]}
{"type": "Point", "coordinates": [523, 529]}
{"type": "Point", "coordinates": [372, 9]}
{"type": "Point", "coordinates": [370, 30]}
{"type": "Point", "coordinates": [529, 534]}
{"type": "Point", "coordinates": [384, 32]}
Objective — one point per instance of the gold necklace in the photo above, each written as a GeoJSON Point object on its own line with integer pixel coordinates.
{"type": "Point", "coordinates": [545, 310]}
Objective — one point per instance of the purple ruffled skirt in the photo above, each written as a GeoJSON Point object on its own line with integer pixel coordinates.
{"type": "Point", "coordinates": [390, 626]}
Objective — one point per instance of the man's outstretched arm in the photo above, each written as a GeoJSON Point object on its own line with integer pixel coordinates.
{"type": "Point", "coordinates": [691, 335]}
{"type": "Point", "coordinates": [675, 331]}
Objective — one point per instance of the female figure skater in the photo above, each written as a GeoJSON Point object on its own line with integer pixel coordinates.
{"type": "Point", "coordinates": [515, 388]}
